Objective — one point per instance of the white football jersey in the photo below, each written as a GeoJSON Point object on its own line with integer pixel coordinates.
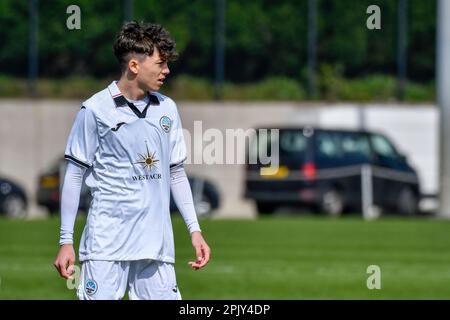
{"type": "Point", "coordinates": [128, 154]}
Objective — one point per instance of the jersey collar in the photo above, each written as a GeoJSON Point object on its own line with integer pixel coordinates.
{"type": "Point", "coordinates": [121, 101]}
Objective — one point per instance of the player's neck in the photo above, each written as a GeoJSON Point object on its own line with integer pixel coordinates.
{"type": "Point", "coordinates": [130, 89]}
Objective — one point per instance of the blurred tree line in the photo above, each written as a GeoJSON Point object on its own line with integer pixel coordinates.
{"type": "Point", "coordinates": [263, 38]}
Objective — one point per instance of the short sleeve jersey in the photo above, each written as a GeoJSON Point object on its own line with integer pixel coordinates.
{"type": "Point", "coordinates": [128, 154]}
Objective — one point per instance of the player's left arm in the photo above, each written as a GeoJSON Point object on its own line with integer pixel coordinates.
{"type": "Point", "coordinates": [182, 194]}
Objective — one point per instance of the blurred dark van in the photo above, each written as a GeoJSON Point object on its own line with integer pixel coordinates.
{"type": "Point", "coordinates": [322, 169]}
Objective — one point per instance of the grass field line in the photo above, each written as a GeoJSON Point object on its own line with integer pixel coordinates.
{"type": "Point", "coordinates": [14, 267]}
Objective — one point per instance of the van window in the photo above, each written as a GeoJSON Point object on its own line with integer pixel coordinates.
{"type": "Point", "coordinates": [342, 148]}
{"type": "Point", "coordinates": [383, 147]}
{"type": "Point", "coordinates": [292, 141]}
{"type": "Point", "coordinates": [355, 147]}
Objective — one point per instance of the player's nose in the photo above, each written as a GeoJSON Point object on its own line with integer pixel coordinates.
{"type": "Point", "coordinates": [166, 69]}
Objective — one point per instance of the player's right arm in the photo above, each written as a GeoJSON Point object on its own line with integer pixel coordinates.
{"type": "Point", "coordinates": [70, 199]}
{"type": "Point", "coordinates": [80, 150]}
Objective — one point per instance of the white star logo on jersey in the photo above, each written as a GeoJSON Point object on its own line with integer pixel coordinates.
{"type": "Point", "coordinates": [147, 160]}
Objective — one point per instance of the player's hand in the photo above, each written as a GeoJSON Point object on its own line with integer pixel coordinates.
{"type": "Point", "coordinates": [202, 251]}
{"type": "Point", "coordinates": [65, 260]}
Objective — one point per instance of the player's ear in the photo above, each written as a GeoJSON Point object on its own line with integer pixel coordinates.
{"type": "Point", "coordinates": [133, 66]}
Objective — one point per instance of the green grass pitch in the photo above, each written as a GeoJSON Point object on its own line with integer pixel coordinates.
{"type": "Point", "coordinates": [269, 258]}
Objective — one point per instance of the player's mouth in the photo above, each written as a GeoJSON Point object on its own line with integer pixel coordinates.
{"type": "Point", "coordinates": [161, 81]}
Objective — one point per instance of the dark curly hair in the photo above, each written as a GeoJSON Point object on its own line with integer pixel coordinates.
{"type": "Point", "coordinates": [142, 38]}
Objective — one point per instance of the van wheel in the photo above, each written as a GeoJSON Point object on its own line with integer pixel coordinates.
{"type": "Point", "coordinates": [265, 208]}
{"type": "Point", "coordinates": [407, 202]}
{"type": "Point", "coordinates": [332, 203]}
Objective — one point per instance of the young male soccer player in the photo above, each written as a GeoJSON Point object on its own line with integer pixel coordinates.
{"type": "Point", "coordinates": [128, 139]}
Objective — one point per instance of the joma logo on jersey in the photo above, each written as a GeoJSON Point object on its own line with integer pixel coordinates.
{"type": "Point", "coordinates": [118, 126]}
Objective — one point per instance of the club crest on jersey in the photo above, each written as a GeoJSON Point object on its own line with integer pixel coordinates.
{"type": "Point", "coordinates": [148, 159]}
{"type": "Point", "coordinates": [165, 123]}
{"type": "Point", "coordinates": [90, 287]}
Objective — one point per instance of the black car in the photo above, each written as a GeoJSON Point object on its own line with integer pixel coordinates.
{"type": "Point", "coordinates": [205, 194]}
{"type": "Point", "coordinates": [322, 169]}
{"type": "Point", "coordinates": [13, 201]}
